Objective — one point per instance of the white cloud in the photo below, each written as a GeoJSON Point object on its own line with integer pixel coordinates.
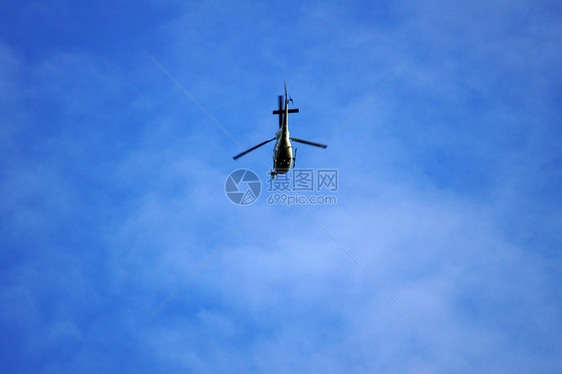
{"type": "Point", "coordinates": [127, 186]}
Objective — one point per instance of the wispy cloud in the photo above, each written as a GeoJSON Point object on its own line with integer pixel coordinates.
{"type": "Point", "coordinates": [112, 192]}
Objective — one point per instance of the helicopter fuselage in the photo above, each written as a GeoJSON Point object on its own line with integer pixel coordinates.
{"type": "Point", "coordinates": [283, 155]}
{"type": "Point", "coordinates": [283, 151]}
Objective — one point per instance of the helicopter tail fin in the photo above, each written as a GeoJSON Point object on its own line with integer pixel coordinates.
{"type": "Point", "coordinates": [281, 111]}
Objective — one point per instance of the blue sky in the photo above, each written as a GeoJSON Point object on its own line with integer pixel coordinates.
{"type": "Point", "coordinates": [112, 183]}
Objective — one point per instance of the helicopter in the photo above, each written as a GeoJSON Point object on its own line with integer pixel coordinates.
{"type": "Point", "coordinates": [283, 158]}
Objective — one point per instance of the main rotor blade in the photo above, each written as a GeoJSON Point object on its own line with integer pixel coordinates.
{"type": "Point", "coordinates": [251, 149]}
{"type": "Point", "coordinates": [309, 143]}
{"type": "Point", "coordinates": [280, 99]}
